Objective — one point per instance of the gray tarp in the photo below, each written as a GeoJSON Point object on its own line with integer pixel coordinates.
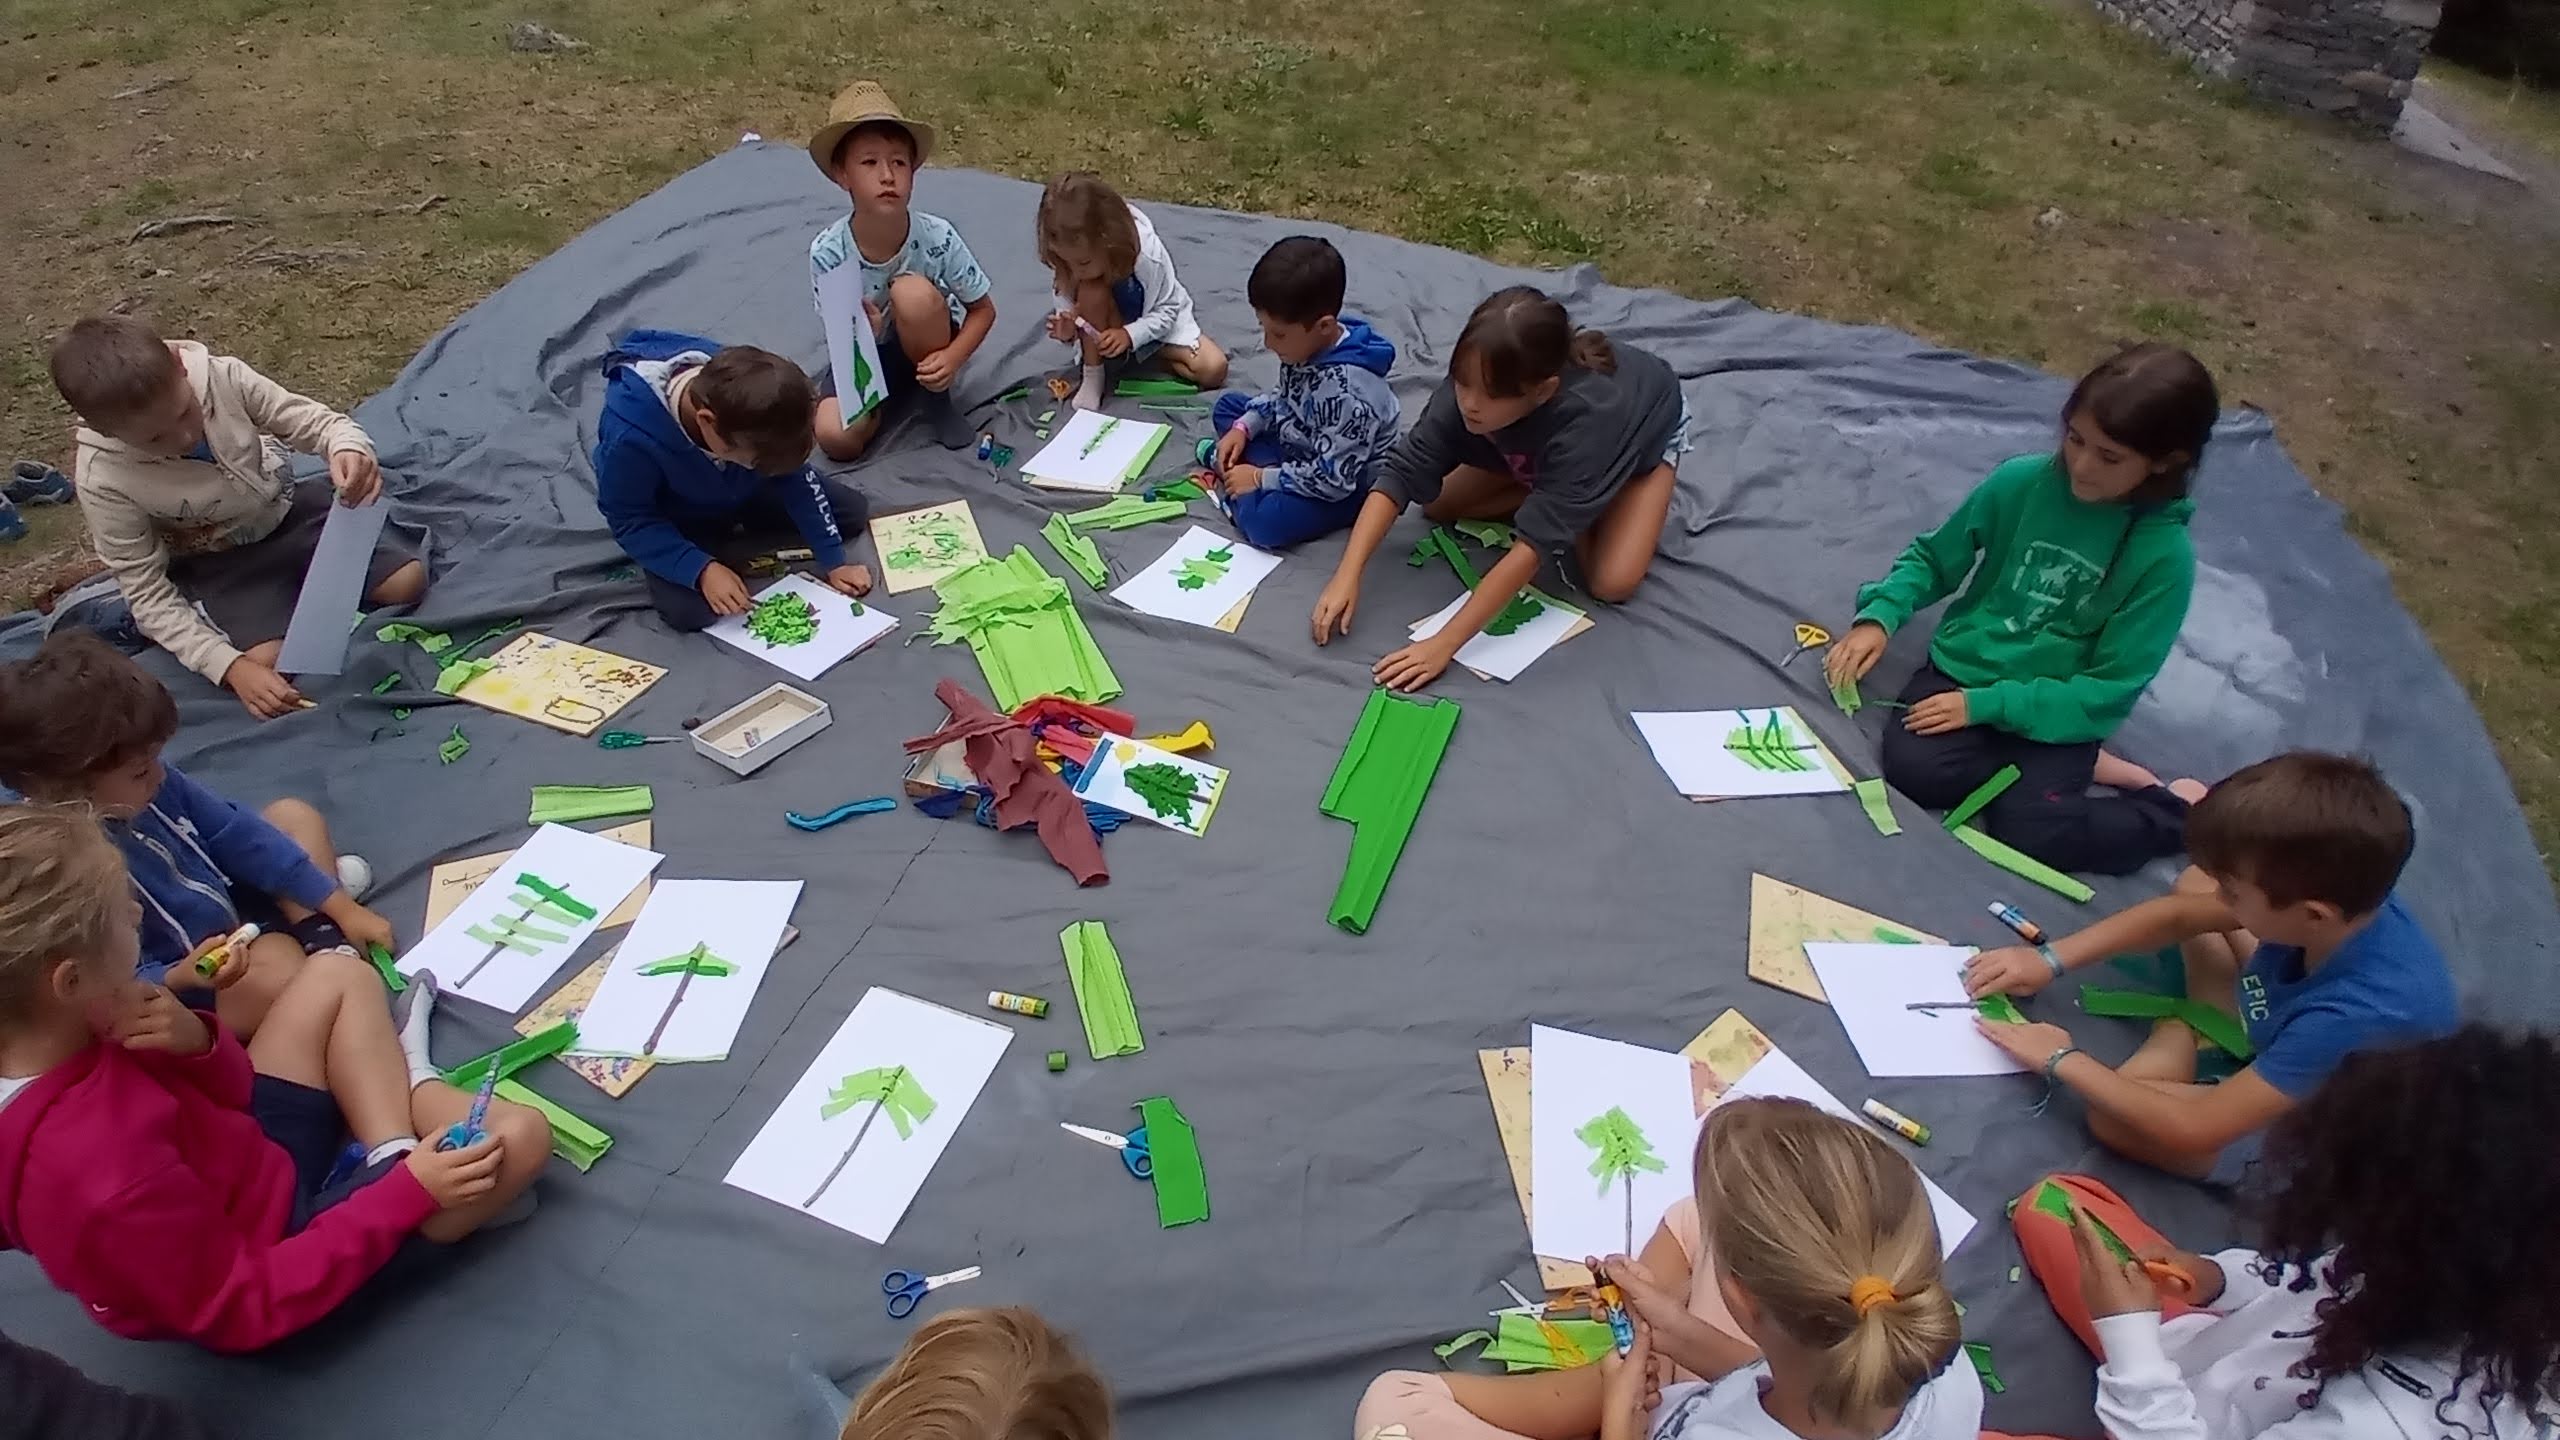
{"type": "Point", "coordinates": [1361, 1203]}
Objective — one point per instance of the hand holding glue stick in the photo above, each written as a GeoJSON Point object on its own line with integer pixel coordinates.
{"type": "Point", "coordinates": [212, 962]}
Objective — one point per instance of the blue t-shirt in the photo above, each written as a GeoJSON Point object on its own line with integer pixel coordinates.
{"type": "Point", "coordinates": [2386, 986]}
{"type": "Point", "coordinates": [933, 250]}
{"type": "Point", "coordinates": [203, 452]}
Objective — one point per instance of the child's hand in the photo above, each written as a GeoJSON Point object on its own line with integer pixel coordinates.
{"type": "Point", "coordinates": [1645, 1294]}
{"type": "Point", "coordinates": [1941, 714]}
{"type": "Point", "coordinates": [2009, 970]}
{"type": "Point", "coordinates": [233, 969]}
{"type": "Point", "coordinates": [154, 1019]}
{"type": "Point", "coordinates": [265, 693]}
{"type": "Point", "coordinates": [1334, 607]}
{"type": "Point", "coordinates": [871, 312]}
{"type": "Point", "coordinates": [2108, 1286]}
{"type": "Point", "coordinates": [850, 579]}
{"type": "Point", "coordinates": [937, 370]}
{"type": "Point", "coordinates": [721, 586]}
{"type": "Point", "coordinates": [2030, 1044]}
{"type": "Point", "coordinates": [1062, 325]}
{"type": "Point", "coordinates": [455, 1178]}
{"type": "Point", "coordinates": [1112, 343]}
{"type": "Point", "coordinates": [1414, 666]}
{"type": "Point", "coordinates": [1854, 654]}
{"type": "Point", "coordinates": [361, 926]}
{"type": "Point", "coordinates": [2204, 1270]}
{"type": "Point", "coordinates": [1231, 446]}
{"type": "Point", "coordinates": [1629, 1389]}
{"type": "Point", "coordinates": [356, 475]}
{"type": "Point", "coordinates": [1241, 478]}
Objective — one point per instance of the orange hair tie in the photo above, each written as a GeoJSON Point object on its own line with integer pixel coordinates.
{"type": "Point", "coordinates": [1870, 1291]}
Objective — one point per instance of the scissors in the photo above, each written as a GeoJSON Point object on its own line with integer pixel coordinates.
{"type": "Point", "coordinates": [1132, 1147]}
{"type": "Point", "coordinates": [1520, 1304]}
{"type": "Point", "coordinates": [905, 1287]}
{"type": "Point", "coordinates": [1807, 637]}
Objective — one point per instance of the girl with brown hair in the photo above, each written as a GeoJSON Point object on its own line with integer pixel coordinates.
{"type": "Point", "coordinates": [1118, 298]}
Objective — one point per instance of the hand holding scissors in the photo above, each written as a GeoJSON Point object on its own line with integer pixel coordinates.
{"type": "Point", "coordinates": [1134, 1155]}
{"type": "Point", "coordinates": [905, 1288]}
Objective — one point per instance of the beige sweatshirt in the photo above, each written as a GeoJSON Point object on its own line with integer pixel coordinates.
{"type": "Point", "coordinates": [144, 508]}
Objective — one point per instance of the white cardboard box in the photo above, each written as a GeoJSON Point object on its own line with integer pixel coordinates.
{"type": "Point", "coordinates": [748, 735]}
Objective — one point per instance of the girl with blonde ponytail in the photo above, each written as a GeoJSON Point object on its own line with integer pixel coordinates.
{"type": "Point", "coordinates": [1815, 1242]}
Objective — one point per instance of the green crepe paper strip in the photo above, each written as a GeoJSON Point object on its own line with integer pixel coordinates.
{"type": "Point", "coordinates": [2024, 866]}
{"type": "Point", "coordinates": [2218, 1028]}
{"type": "Point", "coordinates": [1983, 794]}
{"type": "Point", "coordinates": [453, 747]}
{"type": "Point", "coordinates": [514, 1056]}
{"type": "Point", "coordinates": [1379, 786]}
{"type": "Point", "coordinates": [697, 961]}
{"type": "Point", "coordinates": [380, 959]}
{"type": "Point", "coordinates": [1447, 545]}
{"type": "Point", "coordinates": [1022, 625]}
{"type": "Point", "coordinates": [1184, 489]}
{"type": "Point", "coordinates": [1182, 1187]}
{"type": "Point", "coordinates": [1472, 1337]}
{"type": "Point", "coordinates": [572, 1139]}
{"type": "Point", "coordinates": [1844, 693]}
{"type": "Point", "coordinates": [1879, 810]}
{"type": "Point", "coordinates": [1980, 1355]}
{"type": "Point", "coordinates": [1102, 990]}
{"type": "Point", "coordinates": [1519, 1345]}
{"type": "Point", "coordinates": [588, 802]}
{"type": "Point", "coordinates": [388, 683]}
{"type": "Point", "coordinates": [1142, 385]}
{"type": "Point", "coordinates": [1491, 534]}
{"type": "Point", "coordinates": [2055, 1201]}
{"type": "Point", "coordinates": [2000, 1008]}
{"type": "Point", "coordinates": [1081, 554]}
{"type": "Point", "coordinates": [451, 679]}
{"type": "Point", "coordinates": [434, 642]}
{"type": "Point", "coordinates": [1123, 511]}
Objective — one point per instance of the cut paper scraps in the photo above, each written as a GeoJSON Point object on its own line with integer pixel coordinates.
{"type": "Point", "coordinates": [840, 627]}
{"type": "Point", "coordinates": [1778, 1077]}
{"type": "Point", "coordinates": [1135, 778]}
{"type": "Point", "coordinates": [2216, 1026]}
{"type": "Point", "coordinates": [555, 683]}
{"type": "Point", "coordinates": [1182, 1186]}
{"type": "Point", "coordinates": [1022, 625]}
{"type": "Point", "coordinates": [1095, 452]}
{"type": "Point", "coordinates": [1002, 755]}
{"type": "Point", "coordinates": [1639, 1097]}
{"type": "Point", "coordinates": [1378, 786]}
{"type": "Point", "coordinates": [1198, 579]}
{"type": "Point", "coordinates": [1728, 754]}
{"type": "Point", "coordinates": [862, 1128]}
{"type": "Point", "coordinates": [919, 548]}
{"type": "Point", "coordinates": [682, 981]}
{"type": "Point", "coordinates": [1102, 991]}
{"type": "Point", "coordinates": [1784, 917]}
{"type": "Point", "coordinates": [1872, 988]}
{"type": "Point", "coordinates": [534, 910]}
{"type": "Point", "coordinates": [450, 883]}
{"type": "Point", "coordinates": [852, 350]}
{"type": "Point", "coordinates": [1081, 554]}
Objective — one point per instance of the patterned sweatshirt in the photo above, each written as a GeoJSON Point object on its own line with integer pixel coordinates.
{"type": "Point", "coordinates": [1334, 416]}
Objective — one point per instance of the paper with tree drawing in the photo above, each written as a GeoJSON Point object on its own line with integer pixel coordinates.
{"type": "Point", "coordinates": [1623, 1094]}
{"type": "Point", "coordinates": [1095, 452]}
{"type": "Point", "coordinates": [683, 980]}
{"type": "Point", "coordinates": [1530, 626]}
{"type": "Point", "coordinates": [533, 912]}
{"type": "Point", "coordinates": [452, 881]}
{"type": "Point", "coordinates": [1872, 988]}
{"type": "Point", "coordinates": [1135, 778]}
{"type": "Point", "coordinates": [1726, 754]}
{"type": "Point", "coordinates": [845, 626]}
{"type": "Point", "coordinates": [852, 350]}
{"type": "Point", "coordinates": [1777, 1077]}
{"type": "Point", "coordinates": [612, 1074]}
{"type": "Point", "coordinates": [919, 547]}
{"type": "Point", "coordinates": [1199, 578]}
{"type": "Point", "coordinates": [859, 1133]}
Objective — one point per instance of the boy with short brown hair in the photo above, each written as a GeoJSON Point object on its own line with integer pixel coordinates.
{"type": "Point", "coordinates": [181, 477]}
{"type": "Point", "coordinates": [2288, 923]}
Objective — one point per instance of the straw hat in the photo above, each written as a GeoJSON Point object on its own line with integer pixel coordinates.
{"type": "Point", "coordinates": [860, 103]}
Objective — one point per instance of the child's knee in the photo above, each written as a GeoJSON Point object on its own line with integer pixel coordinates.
{"type": "Point", "coordinates": [1205, 365]}
{"type": "Point", "coordinates": [402, 586]}
{"type": "Point", "coordinates": [294, 816]}
{"type": "Point", "coordinates": [1406, 1398]}
{"type": "Point", "coordinates": [1618, 585]}
{"type": "Point", "coordinates": [836, 439]}
{"type": "Point", "coordinates": [526, 1136]}
{"type": "Point", "coordinates": [2193, 881]}
{"type": "Point", "coordinates": [919, 315]}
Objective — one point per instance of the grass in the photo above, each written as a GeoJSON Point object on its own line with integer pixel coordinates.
{"type": "Point", "coordinates": [1881, 161]}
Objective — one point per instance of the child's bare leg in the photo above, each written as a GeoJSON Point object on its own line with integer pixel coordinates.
{"type": "Point", "coordinates": [839, 441]}
{"type": "Point", "coordinates": [1474, 493]}
{"type": "Point", "coordinates": [1095, 305]}
{"type": "Point", "coordinates": [1204, 364]}
{"type": "Point", "coordinates": [2136, 1146]}
{"type": "Point", "coordinates": [330, 1030]}
{"type": "Point", "coordinates": [918, 316]}
{"type": "Point", "coordinates": [305, 827]}
{"type": "Point", "coordinates": [402, 586]}
{"type": "Point", "coordinates": [273, 961]}
{"type": "Point", "coordinates": [1552, 1405]}
{"type": "Point", "coordinates": [525, 1138]}
{"type": "Point", "coordinates": [1620, 546]}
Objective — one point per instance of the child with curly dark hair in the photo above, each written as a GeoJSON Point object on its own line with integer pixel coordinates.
{"type": "Point", "coordinates": [2403, 1280]}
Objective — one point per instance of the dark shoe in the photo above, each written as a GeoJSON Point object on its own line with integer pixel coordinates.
{"type": "Point", "coordinates": [12, 525]}
{"type": "Point", "coordinates": [34, 483]}
{"type": "Point", "coordinates": [950, 428]}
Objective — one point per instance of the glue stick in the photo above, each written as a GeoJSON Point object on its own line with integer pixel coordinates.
{"type": "Point", "coordinates": [2016, 919]}
{"type": "Point", "coordinates": [212, 961]}
{"type": "Point", "coordinates": [1031, 1005]}
{"type": "Point", "coordinates": [1897, 1122]}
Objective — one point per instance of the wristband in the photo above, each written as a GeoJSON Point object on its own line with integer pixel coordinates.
{"type": "Point", "coordinates": [2051, 958]}
{"type": "Point", "coordinates": [2054, 1061]}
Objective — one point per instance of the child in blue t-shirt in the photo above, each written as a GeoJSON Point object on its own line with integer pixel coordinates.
{"type": "Point", "coordinates": [2288, 923]}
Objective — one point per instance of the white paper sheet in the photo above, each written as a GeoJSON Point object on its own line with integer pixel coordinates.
{"type": "Point", "coordinates": [324, 615]}
{"type": "Point", "coordinates": [1576, 1079]}
{"type": "Point", "coordinates": [1691, 747]}
{"type": "Point", "coordinates": [948, 1054]}
{"type": "Point", "coordinates": [851, 350]}
{"type": "Point", "coordinates": [1872, 988]}
{"type": "Point", "coordinates": [1105, 782]}
{"type": "Point", "coordinates": [689, 1016]}
{"type": "Point", "coordinates": [1201, 577]}
{"type": "Point", "coordinates": [591, 870]}
{"type": "Point", "coordinates": [1504, 656]}
{"type": "Point", "coordinates": [1779, 1077]}
{"type": "Point", "coordinates": [1095, 452]}
{"type": "Point", "coordinates": [845, 626]}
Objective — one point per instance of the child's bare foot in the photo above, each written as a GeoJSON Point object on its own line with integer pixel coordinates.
{"type": "Point", "coordinates": [2116, 772]}
{"type": "Point", "coordinates": [2188, 789]}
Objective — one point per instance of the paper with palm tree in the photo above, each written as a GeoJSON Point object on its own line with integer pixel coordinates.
{"type": "Point", "coordinates": [1611, 1127]}
{"type": "Point", "coordinates": [1726, 754]}
{"type": "Point", "coordinates": [682, 981]}
{"type": "Point", "coordinates": [1199, 578]}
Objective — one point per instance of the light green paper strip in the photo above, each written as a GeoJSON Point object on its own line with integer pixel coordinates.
{"type": "Point", "coordinates": [588, 802]}
{"type": "Point", "coordinates": [1844, 693]}
{"type": "Point", "coordinates": [2000, 1008]}
{"type": "Point", "coordinates": [1140, 385]}
{"type": "Point", "coordinates": [1022, 625]}
{"type": "Point", "coordinates": [1983, 794]}
{"type": "Point", "coordinates": [1182, 1187]}
{"type": "Point", "coordinates": [1081, 554]}
{"type": "Point", "coordinates": [434, 642]}
{"type": "Point", "coordinates": [1461, 1342]}
{"type": "Point", "coordinates": [1146, 455]}
{"type": "Point", "coordinates": [2024, 866]}
{"type": "Point", "coordinates": [1123, 511]}
{"type": "Point", "coordinates": [1491, 534]}
{"type": "Point", "coordinates": [572, 1139]}
{"type": "Point", "coordinates": [453, 677]}
{"type": "Point", "coordinates": [1102, 990]}
{"type": "Point", "coordinates": [1519, 1345]}
{"type": "Point", "coordinates": [1879, 810]}
{"type": "Point", "coordinates": [2222, 1030]}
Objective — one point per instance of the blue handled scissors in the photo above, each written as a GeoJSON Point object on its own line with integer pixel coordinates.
{"type": "Point", "coordinates": [905, 1288]}
{"type": "Point", "coordinates": [1134, 1155]}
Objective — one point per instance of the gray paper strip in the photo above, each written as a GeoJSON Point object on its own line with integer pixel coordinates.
{"type": "Point", "coordinates": [315, 643]}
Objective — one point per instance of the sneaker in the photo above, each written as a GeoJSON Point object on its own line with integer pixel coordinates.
{"type": "Point", "coordinates": [32, 482]}
{"type": "Point", "coordinates": [356, 874]}
{"type": "Point", "coordinates": [13, 526]}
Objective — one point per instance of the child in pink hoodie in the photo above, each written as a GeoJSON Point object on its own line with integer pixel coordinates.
{"type": "Point", "coordinates": [177, 1182]}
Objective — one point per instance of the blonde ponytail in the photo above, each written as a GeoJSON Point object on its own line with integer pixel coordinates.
{"type": "Point", "coordinates": [1830, 1230]}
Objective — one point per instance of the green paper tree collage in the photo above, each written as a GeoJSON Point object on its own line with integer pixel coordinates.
{"type": "Point", "coordinates": [1169, 790]}
{"type": "Point", "coordinates": [891, 1089]}
{"type": "Point", "coordinates": [1206, 570]}
{"type": "Point", "coordinates": [1622, 1150]}
{"type": "Point", "coordinates": [784, 619]}
{"type": "Point", "coordinates": [1524, 607]}
{"type": "Point", "coordinates": [933, 542]}
{"type": "Point", "coordinates": [1770, 748]}
{"type": "Point", "coordinates": [535, 899]}
{"type": "Point", "coordinates": [697, 961]}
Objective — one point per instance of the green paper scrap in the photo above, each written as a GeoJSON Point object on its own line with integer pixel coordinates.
{"type": "Point", "coordinates": [1524, 607]}
{"type": "Point", "coordinates": [893, 1086]}
{"type": "Point", "coordinates": [514, 1056]}
{"type": "Point", "coordinates": [1142, 385]}
{"type": "Point", "coordinates": [2014, 1272]}
{"type": "Point", "coordinates": [1185, 489]}
{"type": "Point", "coordinates": [388, 683]}
{"type": "Point", "coordinates": [2055, 1201]}
{"type": "Point", "coordinates": [1206, 569]}
{"type": "Point", "coordinates": [1016, 393]}
{"type": "Point", "coordinates": [455, 675]}
{"type": "Point", "coordinates": [1041, 433]}
{"type": "Point", "coordinates": [1169, 790]}
{"type": "Point", "coordinates": [783, 619]}
{"type": "Point", "coordinates": [453, 747]}
{"type": "Point", "coordinates": [1045, 416]}
{"type": "Point", "coordinates": [1983, 794]}
{"type": "Point", "coordinates": [588, 802]}
{"type": "Point", "coordinates": [2024, 866]}
{"type": "Point", "coordinates": [1102, 990]}
{"type": "Point", "coordinates": [1520, 1345]}
{"type": "Point", "coordinates": [572, 1139]}
{"type": "Point", "coordinates": [1080, 553]}
{"type": "Point", "coordinates": [1182, 1187]}
{"type": "Point", "coordinates": [1620, 1147]}
{"type": "Point", "coordinates": [1379, 786]}
{"type": "Point", "coordinates": [1121, 512]}
{"type": "Point", "coordinates": [1980, 1355]}
{"type": "Point", "coordinates": [1879, 810]}
{"type": "Point", "coordinates": [1491, 534]}
{"type": "Point", "coordinates": [1022, 625]}
{"type": "Point", "coordinates": [402, 712]}
{"type": "Point", "coordinates": [2214, 1025]}
{"type": "Point", "coordinates": [434, 642]}
{"type": "Point", "coordinates": [380, 959]}
{"type": "Point", "coordinates": [1844, 693]}
{"type": "Point", "coordinates": [2000, 1008]}
{"type": "Point", "coordinates": [1472, 1337]}
{"type": "Point", "coordinates": [697, 961]}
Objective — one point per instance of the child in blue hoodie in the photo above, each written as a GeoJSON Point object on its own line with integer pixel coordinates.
{"type": "Point", "coordinates": [1296, 461]}
{"type": "Point", "coordinates": [702, 463]}
{"type": "Point", "coordinates": [81, 724]}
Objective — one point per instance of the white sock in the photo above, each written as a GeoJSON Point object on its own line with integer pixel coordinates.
{"type": "Point", "coordinates": [421, 996]}
{"type": "Point", "coordinates": [1089, 394]}
{"type": "Point", "coordinates": [391, 1149]}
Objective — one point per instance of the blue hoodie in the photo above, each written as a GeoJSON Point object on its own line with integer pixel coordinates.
{"type": "Point", "coordinates": [1333, 416]}
{"type": "Point", "coordinates": [653, 482]}
{"type": "Point", "coordinates": [187, 849]}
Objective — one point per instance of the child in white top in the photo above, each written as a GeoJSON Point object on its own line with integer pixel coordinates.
{"type": "Point", "coordinates": [1117, 293]}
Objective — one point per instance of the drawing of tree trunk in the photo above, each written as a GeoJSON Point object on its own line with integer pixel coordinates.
{"type": "Point", "coordinates": [1769, 748]}
{"type": "Point", "coordinates": [538, 899]}
{"type": "Point", "coordinates": [1623, 1150]}
{"type": "Point", "coordinates": [697, 961]}
{"type": "Point", "coordinates": [890, 1088]}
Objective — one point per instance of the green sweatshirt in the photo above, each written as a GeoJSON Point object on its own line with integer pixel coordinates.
{"type": "Point", "coordinates": [2071, 613]}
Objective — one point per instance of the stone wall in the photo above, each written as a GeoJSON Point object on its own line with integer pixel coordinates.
{"type": "Point", "coordinates": [2354, 59]}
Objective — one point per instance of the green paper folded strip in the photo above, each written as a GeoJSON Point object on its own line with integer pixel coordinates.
{"type": "Point", "coordinates": [572, 1138]}
{"type": "Point", "coordinates": [1144, 385]}
{"type": "Point", "coordinates": [1980, 1354]}
{"type": "Point", "coordinates": [1379, 785]}
{"type": "Point", "coordinates": [1102, 990]}
{"type": "Point", "coordinates": [2214, 1025]}
{"type": "Point", "coordinates": [1080, 553]}
{"type": "Point", "coordinates": [453, 747]}
{"type": "Point", "coordinates": [514, 1056]}
{"type": "Point", "coordinates": [1124, 511]}
{"type": "Point", "coordinates": [2026, 867]}
{"type": "Point", "coordinates": [458, 673]}
{"type": "Point", "coordinates": [1021, 623]}
{"type": "Point", "coordinates": [1182, 1187]}
{"type": "Point", "coordinates": [380, 959]}
{"type": "Point", "coordinates": [1844, 693]}
{"type": "Point", "coordinates": [553, 803]}
{"type": "Point", "coordinates": [1983, 794]}
{"type": "Point", "coordinates": [1879, 809]}
{"type": "Point", "coordinates": [2000, 1008]}
{"type": "Point", "coordinates": [1518, 1344]}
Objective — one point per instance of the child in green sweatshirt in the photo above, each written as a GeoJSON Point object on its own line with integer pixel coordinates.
{"type": "Point", "coordinates": [2083, 582]}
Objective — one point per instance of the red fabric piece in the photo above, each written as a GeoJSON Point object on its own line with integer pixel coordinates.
{"type": "Point", "coordinates": [1003, 755]}
{"type": "Point", "coordinates": [142, 1185]}
{"type": "Point", "coordinates": [1069, 726]}
{"type": "Point", "coordinates": [2054, 1258]}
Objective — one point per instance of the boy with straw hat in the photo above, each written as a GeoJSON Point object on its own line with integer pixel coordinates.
{"type": "Point", "coordinates": [929, 304]}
